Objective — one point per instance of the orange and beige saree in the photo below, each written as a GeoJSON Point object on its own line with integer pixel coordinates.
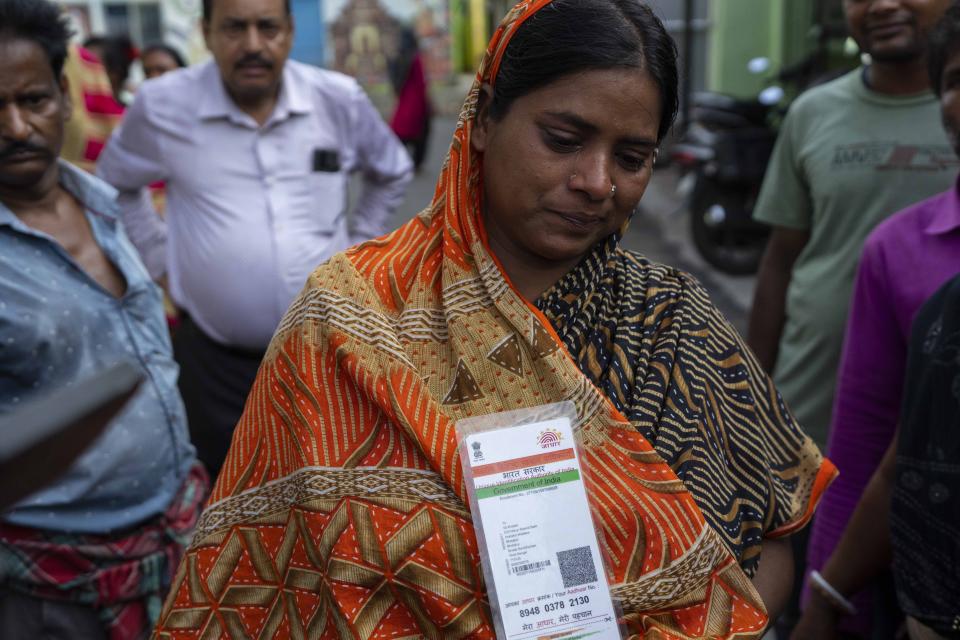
{"type": "Point", "coordinates": [340, 511]}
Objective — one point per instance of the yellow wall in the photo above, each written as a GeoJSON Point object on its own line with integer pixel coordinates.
{"type": "Point", "coordinates": [479, 31]}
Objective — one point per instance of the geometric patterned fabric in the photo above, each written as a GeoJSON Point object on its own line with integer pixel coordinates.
{"type": "Point", "coordinates": [340, 510]}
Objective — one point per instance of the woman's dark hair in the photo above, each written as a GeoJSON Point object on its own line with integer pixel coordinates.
{"type": "Point", "coordinates": [399, 66]}
{"type": "Point", "coordinates": [40, 21]}
{"type": "Point", "coordinates": [117, 53]}
{"type": "Point", "coordinates": [568, 36]}
{"type": "Point", "coordinates": [944, 41]}
{"type": "Point", "coordinates": [164, 48]}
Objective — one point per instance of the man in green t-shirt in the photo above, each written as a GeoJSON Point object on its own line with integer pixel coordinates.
{"type": "Point", "coordinates": [850, 153]}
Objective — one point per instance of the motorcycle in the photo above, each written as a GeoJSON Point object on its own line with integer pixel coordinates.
{"type": "Point", "coordinates": [723, 155]}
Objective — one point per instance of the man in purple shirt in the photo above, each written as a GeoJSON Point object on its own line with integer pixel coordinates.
{"type": "Point", "coordinates": [256, 153]}
{"type": "Point", "coordinates": [904, 261]}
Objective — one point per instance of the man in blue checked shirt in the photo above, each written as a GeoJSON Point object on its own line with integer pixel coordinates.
{"type": "Point", "coordinates": [92, 555]}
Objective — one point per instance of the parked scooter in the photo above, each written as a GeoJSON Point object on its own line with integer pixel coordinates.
{"type": "Point", "coordinates": [724, 154]}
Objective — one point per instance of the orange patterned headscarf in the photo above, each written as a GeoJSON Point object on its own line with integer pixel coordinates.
{"type": "Point", "coordinates": [341, 512]}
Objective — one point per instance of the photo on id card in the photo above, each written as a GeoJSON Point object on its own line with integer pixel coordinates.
{"type": "Point", "coordinates": [538, 543]}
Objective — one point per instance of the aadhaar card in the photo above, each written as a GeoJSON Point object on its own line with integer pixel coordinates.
{"type": "Point", "coordinates": [542, 550]}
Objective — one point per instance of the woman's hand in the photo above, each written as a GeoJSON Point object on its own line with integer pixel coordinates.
{"type": "Point", "coordinates": [819, 620]}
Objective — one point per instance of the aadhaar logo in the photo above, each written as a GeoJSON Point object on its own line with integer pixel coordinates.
{"type": "Point", "coordinates": [549, 438]}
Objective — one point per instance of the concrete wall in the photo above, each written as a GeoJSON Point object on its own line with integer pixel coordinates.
{"type": "Point", "coordinates": [746, 29]}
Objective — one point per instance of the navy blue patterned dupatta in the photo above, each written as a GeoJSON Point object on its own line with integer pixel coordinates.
{"type": "Point", "coordinates": [648, 336]}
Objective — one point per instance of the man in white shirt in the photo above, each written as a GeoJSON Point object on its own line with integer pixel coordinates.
{"type": "Point", "coordinates": [256, 153]}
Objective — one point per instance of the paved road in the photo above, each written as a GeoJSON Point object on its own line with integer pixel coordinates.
{"type": "Point", "coordinates": [659, 231]}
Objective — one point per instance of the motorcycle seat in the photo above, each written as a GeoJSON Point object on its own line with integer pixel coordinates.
{"type": "Point", "coordinates": [724, 110]}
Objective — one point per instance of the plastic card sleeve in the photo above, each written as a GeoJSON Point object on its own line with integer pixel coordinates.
{"type": "Point", "coordinates": [538, 541]}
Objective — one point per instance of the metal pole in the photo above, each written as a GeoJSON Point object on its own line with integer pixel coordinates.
{"type": "Point", "coordinates": [687, 53]}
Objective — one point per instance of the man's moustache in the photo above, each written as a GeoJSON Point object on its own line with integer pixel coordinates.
{"type": "Point", "coordinates": [19, 147]}
{"type": "Point", "coordinates": [254, 61]}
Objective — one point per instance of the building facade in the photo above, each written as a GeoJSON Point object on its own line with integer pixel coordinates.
{"type": "Point", "coordinates": [473, 22]}
{"type": "Point", "coordinates": [726, 35]}
{"type": "Point", "coordinates": [786, 32]}
{"type": "Point", "coordinates": [359, 36]}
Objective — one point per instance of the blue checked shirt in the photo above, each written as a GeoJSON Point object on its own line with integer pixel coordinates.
{"type": "Point", "coordinates": [57, 325]}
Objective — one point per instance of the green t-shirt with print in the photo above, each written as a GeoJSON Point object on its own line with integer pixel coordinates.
{"type": "Point", "coordinates": [846, 159]}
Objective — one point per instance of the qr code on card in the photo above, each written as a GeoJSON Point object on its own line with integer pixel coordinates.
{"type": "Point", "coordinates": [576, 567]}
